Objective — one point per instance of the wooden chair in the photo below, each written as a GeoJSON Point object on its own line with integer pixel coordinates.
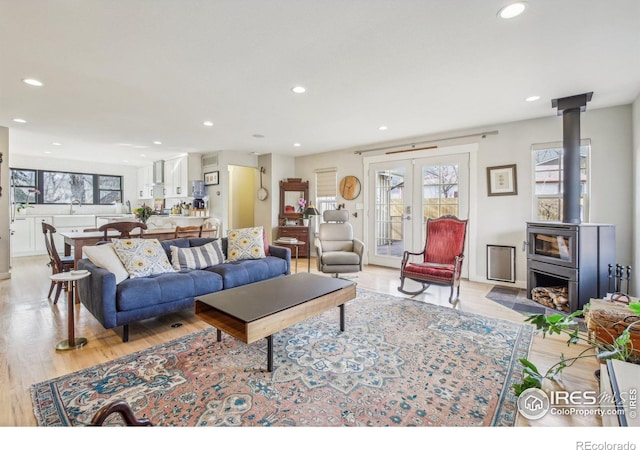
{"type": "Point", "coordinates": [211, 228]}
{"type": "Point", "coordinates": [192, 231]}
{"type": "Point", "coordinates": [124, 228]}
{"type": "Point", "coordinates": [441, 258]}
{"type": "Point", "coordinates": [58, 263]}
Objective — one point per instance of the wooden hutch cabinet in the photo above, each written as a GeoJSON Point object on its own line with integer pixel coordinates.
{"type": "Point", "coordinates": [290, 217]}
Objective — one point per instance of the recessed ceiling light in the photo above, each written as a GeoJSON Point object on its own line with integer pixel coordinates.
{"type": "Point", "coordinates": [157, 142]}
{"type": "Point", "coordinates": [512, 10]}
{"type": "Point", "coordinates": [124, 144]}
{"type": "Point", "coordinates": [383, 128]}
{"type": "Point", "coordinates": [57, 144]}
{"type": "Point", "coordinates": [18, 120]}
{"type": "Point", "coordinates": [47, 152]}
{"type": "Point", "coordinates": [533, 98]}
{"type": "Point", "coordinates": [143, 156]}
{"type": "Point", "coordinates": [140, 146]}
{"type": "Point", "coordinates": [297, 144]}
{"type": "Point", "coordinates": [32, 82]}
{"type": "Point", "coordinates": [258, 136]}
{"type": "Point", "coordinates": [299, 89]}
{"type": "Point", "coordinates": [207, 123]}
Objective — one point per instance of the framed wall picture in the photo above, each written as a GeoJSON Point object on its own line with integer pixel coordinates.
{"type": "Point", "coordinates": [501, 180]}
{"type": "Point", "coordinates": [211, 178]}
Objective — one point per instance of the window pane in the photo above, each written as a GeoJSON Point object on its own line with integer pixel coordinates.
{"type": "Point", "coordinates": [549, 208]}
{"type": "Point", "coordinates": [112, 183]}
{"type": "Point", "coordinates": [109, 197]}
{"type": "Point", "coordinates": [23, 177]}
{"type": "Point", "coordinates": [60, 187]}
{"type": "Point", "coordinates": [22, 195]}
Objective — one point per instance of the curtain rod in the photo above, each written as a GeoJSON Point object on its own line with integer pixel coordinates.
{"type": "Point", "coordinates": [483, 134]}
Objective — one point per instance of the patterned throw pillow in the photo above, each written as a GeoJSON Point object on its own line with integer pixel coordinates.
{"type": "Point", "coordinates": [197, 257]}
{"type": "Point", "coordinates": [245, 243]}
{"type": "Point", "coordinates": [142, 257]}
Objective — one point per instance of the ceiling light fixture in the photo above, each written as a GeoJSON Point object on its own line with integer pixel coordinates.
{"type": "Point", "coordinates": [207, 123]}
{"type": "Point", "coordinates": [47, 152]}
{"type": "Point", "coordinates": [533, 98]}
{"type": "Point", "coordinates": [57, 144]}
{"type": "Point", "coordinates": [143, 155]}
{"type": "Point", "coordinates": [157, 142]}
{"type": "Point", "coordinates": [32, 82]}
{"type": "Point", "coordinates": [383, 128]}
{"type": "Point", "coordinates": [512, 10]}
{"type": "Point", "coordinates": [297, 144]}
{"type": "Point", "coordinates": [19, 120]}
{"type": "Point", "coordinates": [299, 89]}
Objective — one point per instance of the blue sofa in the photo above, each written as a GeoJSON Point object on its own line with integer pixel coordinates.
{"type": "Point", "coordinates": [136, 299]}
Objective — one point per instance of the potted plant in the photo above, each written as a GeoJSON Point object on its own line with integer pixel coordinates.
{"type": "Point", "coordinates": [143, 213]}
{"type": "Point", "coordinates": [621, 346]}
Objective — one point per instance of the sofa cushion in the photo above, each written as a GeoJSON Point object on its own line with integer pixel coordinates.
{"type": "Point", "coordinates": [197, 257]}
{"type": "Point", "coordinates": [142, 257]}
{"type": "Point", "coordinates": [247, 271]}
{"type": "Point", "coordinates": [105, 257]}
{"type": "Point", "coordinates": [180, 242]}
{"type": "Point", "coordinates": [245, 243]}
{"type": "Point", "coordinates": [135, 293]}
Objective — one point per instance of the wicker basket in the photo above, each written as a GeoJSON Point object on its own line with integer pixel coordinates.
{"type": "Point", "coordinates": [606, 320]}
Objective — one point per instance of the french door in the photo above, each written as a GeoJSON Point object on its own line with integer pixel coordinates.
{"type": "Point", "coordinates": [404, 193]}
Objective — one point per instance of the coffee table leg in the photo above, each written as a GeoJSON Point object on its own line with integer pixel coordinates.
{"type": "Point", "coordinates": [341, 317]}
{"type": "Point", "coordinates": [270, 353]}
{"type": "Point", "coordinates": [219, 335]}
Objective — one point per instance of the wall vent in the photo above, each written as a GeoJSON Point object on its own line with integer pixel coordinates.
{"type": "Point", "coordinates": [501, 263]}
{"type": "Point", "coordinates": [209, 160]}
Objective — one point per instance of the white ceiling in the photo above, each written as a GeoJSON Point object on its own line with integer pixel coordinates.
{"type": "Point", "coordinates": [135, 71]}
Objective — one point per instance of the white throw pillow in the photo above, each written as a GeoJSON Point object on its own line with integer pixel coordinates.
{"type": "Point", "coordinates": [197, 257]}
{"type": "Point", "coordinates": [105, 257]}
{"type": "Point", "coordinates": [142, 257]}
{"type": "Point", "coordinates": [245, 243]}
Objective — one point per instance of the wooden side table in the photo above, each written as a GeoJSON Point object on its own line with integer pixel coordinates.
{"type": "Point", "coordinates": [292, 244]}
{"type": "Point", "coordinates": [72, 342]}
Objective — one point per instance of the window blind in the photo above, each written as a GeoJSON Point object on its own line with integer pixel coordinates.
{"type": "Point", "coordinates": [326, 183]}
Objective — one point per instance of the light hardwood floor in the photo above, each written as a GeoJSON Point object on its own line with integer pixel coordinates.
{"type": "Point", "coordinates": [31, 326]}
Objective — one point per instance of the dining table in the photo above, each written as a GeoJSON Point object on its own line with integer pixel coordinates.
{"type": "Point", "coordinates": [78, 239]}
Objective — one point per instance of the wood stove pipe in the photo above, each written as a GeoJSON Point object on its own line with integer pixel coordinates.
{"type": "Point", "coordinates": [570, 108]}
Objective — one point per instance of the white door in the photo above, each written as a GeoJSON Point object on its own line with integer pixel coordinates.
{"type": "Point", "coordinates": [404, 194]}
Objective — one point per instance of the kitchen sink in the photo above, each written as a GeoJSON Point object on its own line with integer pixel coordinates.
{"type": "Point", "coordinates": [74, 220]}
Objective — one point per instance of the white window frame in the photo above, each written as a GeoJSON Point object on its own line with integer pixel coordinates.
{"type": "Point", "coordinates": [549, 146]}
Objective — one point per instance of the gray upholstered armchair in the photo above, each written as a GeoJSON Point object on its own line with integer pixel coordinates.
{"type": "Point", "coordinates": [336, 248]}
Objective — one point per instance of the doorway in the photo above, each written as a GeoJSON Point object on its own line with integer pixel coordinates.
{"type": "Point", "coordinates": [242, 191]}
{"type": "Point", "coordinates": [403, 193]}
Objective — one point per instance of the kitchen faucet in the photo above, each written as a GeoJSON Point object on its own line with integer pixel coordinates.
{"type": "Point", "coordinates": [74, 202]}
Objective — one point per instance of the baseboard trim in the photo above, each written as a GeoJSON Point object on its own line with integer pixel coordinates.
{"type": "Point", "coordinates": [5, 275]}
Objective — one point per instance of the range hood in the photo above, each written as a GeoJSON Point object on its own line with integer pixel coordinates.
{"type": "Point", "coordinates": [158, 172]}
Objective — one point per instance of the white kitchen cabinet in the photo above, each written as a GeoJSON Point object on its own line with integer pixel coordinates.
{"type": "Point", "coordinates": [27, 238]}
{"type": "Point", "coordinates": [145, 182]}
{"type": "Point", "coordinates": [178, 174]}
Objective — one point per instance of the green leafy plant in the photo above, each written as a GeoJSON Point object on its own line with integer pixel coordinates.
{"type": "Point", "coordinates": [143, 213]}
{"type": "Point", "coordinates": [621, 347]}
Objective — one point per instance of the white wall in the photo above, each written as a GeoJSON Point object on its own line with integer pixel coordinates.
{"type": "Point", "coordinates": [5, 250]}
{"type": "Point", "coordinates": [502, 220]}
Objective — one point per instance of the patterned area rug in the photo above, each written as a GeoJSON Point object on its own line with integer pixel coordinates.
{"type": "Point", "coordinates": [399, 363]}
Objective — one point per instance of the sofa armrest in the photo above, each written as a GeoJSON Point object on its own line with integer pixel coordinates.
{"type": "Point", "coordinates": [98, 293]}
{"type": "Point", "coordinates": [358, 247]}
{"type": "Point", "coordinates": [283, 253]}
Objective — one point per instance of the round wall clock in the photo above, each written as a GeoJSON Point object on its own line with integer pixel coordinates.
{"type": "Point", "coordinates": [350, 187]}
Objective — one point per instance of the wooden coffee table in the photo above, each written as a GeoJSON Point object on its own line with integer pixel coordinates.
{"type": "Point", "coordinates": [259, 310]}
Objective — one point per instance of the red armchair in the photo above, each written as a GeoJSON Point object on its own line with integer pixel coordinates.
{"type": "Point", "coordinates": [441, 258]}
